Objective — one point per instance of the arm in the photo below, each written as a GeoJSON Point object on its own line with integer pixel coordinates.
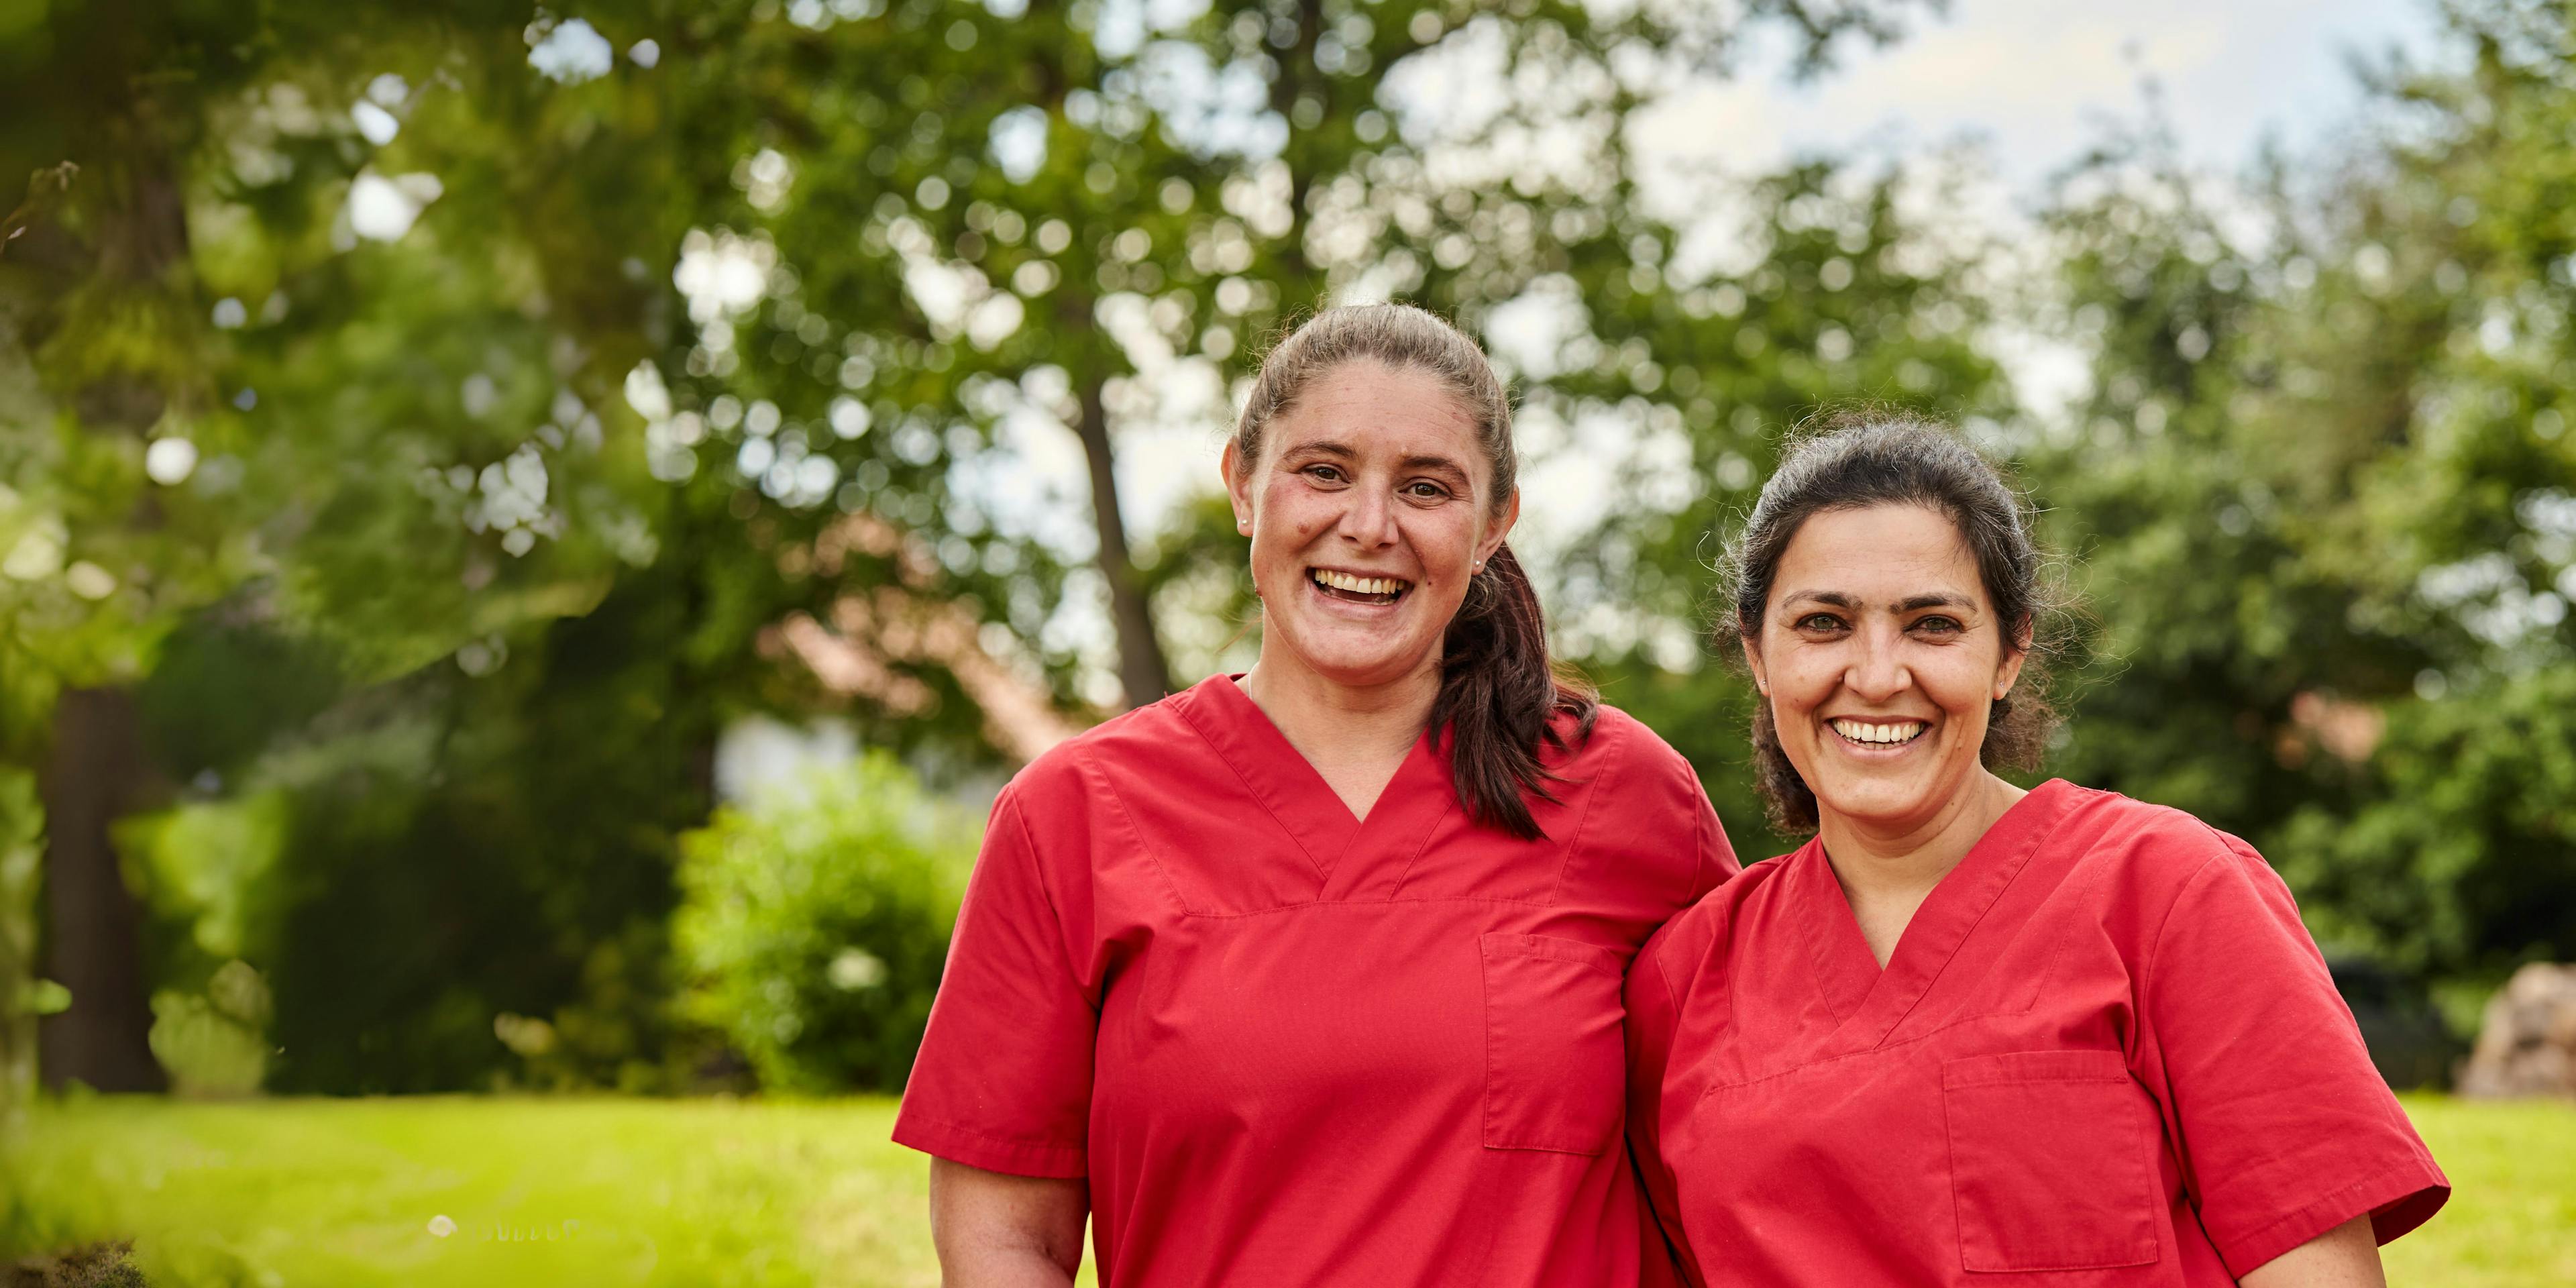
{"type": "Point", "coordinates": [1652, 1017]}
{"type": "Point", "coordinates": [1001, 1093]}
{"type": "Point", "coordinates": [2346, 1256]}
{"type": "Point", "coordinates": [995, 1230]}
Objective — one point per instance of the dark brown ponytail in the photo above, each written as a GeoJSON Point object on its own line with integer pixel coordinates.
{"type": "Point", "coordinates": [1499, 696]}
{"type": "Point", "coordinates": [1499, 693]}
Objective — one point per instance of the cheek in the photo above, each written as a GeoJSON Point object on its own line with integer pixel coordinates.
{"type": "Point", "coordinates": [1285, 522]}
{"type": "Point", "coordinates": [1445, 542]}
{"type": "Point", "coordinates": [1799, 675]}
{"type": "Point", "coordinates": [1962, 685]}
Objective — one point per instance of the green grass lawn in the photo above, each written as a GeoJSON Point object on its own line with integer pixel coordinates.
{"type": "Point", "coordinates": [348, 1193]}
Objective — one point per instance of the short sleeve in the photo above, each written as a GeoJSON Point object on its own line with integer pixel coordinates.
{"type": "Point", "coordinates": [2284, 1128]}
{"type": "Point", "coordinates": [1717, 864]}
{"type": "Point", "coordinates": [1003, 1081]}
{"type": "Point", "coordinates": [1658, 795]}
{"type": "Point", "coordinates": [1653, 1015]}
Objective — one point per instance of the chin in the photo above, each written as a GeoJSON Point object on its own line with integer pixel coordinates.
{"type": "Point", "coordinates": [1879, 801]}
{"type": "Point", "coordinates": [1362, 666]}
{"type": "Point", "coordinates": [1360, 653]}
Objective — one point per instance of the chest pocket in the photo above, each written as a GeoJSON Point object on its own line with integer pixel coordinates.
{"type": "Point", "coordinates": [1555, 1059]}
{"type": "Point", "coordinates": [2050, 1161]}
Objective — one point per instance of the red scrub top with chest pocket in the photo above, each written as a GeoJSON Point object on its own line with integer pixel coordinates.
{"type": "Point", "coordinates": [1288, 1046]}
{"type": "Point", "coordinates": [2104, 1052]}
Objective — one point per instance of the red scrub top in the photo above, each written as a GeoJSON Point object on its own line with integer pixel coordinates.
{"type": "Point", "coordinates": [1287, 1046]}
{"type": "Point", "coordinates": [2104, 1052]}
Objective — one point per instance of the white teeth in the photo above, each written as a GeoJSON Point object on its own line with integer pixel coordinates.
{"type": "Point", "coordinates": [1359, 585]}
{"type": "Point", "coordinates": [1878, 733]}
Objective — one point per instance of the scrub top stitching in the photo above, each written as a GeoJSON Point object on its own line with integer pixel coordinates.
{"type": "Point", "coordinates": [1046, 891]}
{"type": "Point", "coordinates": [1891, 1048]}
{"type": "Point", "coordinates": [1109, 789]}
{"type": "Point", "coordinates": [2020, 864]}
{"type": "Point", "coordinates": [1363, 903]}
{"type": "Point", "coordinates": [1596, 787]}
{"type": "Point", "coordinates": [1253, 790]}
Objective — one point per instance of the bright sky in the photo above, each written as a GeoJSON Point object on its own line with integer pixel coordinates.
{"type": "Point", "coordinates": [2031, 76]}
{"type": "Point", "coordinates": [2029, 79]}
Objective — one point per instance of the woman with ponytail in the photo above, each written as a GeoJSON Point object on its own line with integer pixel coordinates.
{"type": "Point", "coordinates": [1311, 975]}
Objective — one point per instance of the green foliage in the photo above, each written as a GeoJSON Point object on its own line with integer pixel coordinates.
{"type": "Point", "coordinates": [218, 389]}
{"type": "Point", "coordinates": [816, 924]}
{"type": "Point", "coordinates": [204, 870]}
{"type": "Point", "coordinates": [2465, 854]}
{"type": "Point", "coordinates": [467, 848]}
{"type": "Point", "coordinates": [2320, 495]}
{"type": "Point", "coordinates": [204, 867]}
{"type": "Point", "coordinates": [22, 995]}
{"type": "Point", "coordinates": [216, 1043]}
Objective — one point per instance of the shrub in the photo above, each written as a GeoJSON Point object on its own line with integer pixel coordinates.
{"type": "Point", "coordinates": [815, 920]}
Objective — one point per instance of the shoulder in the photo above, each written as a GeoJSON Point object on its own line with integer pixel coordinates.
{"type": "Point", "coordinates": [2152, 845]}
{"type": "Point", "coordinates": [1620, 747]}
{"type": "Point", "coordinates": [1695, 944]}
{"type": "Point", "coordinates": [1072, 768]}
{"type": "Point", "coordinates": [1644, 808]}
{"type": "Point", "coordinates": [2149, 833]}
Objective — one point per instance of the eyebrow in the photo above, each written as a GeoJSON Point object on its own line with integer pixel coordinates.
{"type": "Point", "coordinates": [1336, 447]}
{"type": "Point", "coordinates": [1912, 603]}
{"type": "Point", "coordinates": [1441, 464]}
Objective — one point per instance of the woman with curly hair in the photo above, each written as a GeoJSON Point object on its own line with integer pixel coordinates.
{"type": "Point", "coordinates": [1971, 1033]}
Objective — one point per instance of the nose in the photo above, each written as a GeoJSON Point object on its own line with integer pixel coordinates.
{"type": "Point", "coordinates": [1368, 520]}
{"type": "Point", "coordinates": [1877, 672]}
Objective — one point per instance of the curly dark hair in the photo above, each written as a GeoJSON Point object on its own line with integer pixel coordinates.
{"type": "Point", "coordinates": [1853, 460]}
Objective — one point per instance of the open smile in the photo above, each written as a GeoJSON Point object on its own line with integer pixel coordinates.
{"type": "Point", "coordinates": [1878, 735]}
{"type": "Point", "coordinates": [1355, 588]}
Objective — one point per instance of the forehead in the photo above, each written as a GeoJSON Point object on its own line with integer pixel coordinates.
{"type": "Point", "coordinates": [1879, 553]}
{"type": "Point", "coordinates": [1373, 410]}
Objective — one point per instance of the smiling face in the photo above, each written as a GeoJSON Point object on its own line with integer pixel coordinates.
{"type": "Point", "coordinates": [1881, 655]}
{"type": "Point", "coordinates": [1370, 507]}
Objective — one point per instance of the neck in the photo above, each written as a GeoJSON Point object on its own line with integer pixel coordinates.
{"type": "Point", "coordinates": [1327, 719]}
{"type": "Point", "coordinates": [1880, 860]}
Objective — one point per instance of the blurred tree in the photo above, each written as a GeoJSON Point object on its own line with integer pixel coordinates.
{"type": "Point", "coordinates": [1848, 288]}
{"type": "Point", "coordinates": [2200, 504]}
{"type": "Point", "coordinates": [216, 374]}
{"type": "Point", "coordinates": [2323, 488]}
{"type": "Point", "coordinates": [514, 392]}
{"type": "Point", "coordinates": [1063, 217]}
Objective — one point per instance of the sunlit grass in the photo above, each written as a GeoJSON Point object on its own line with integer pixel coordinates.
{"type": "Point", "coordinates": [345, 1193]}
{"type": "Point", "coordinates": [551, 1192]}
{"type": "Point", "coordinates": [2511, 1221]}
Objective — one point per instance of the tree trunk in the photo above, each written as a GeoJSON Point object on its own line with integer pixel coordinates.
{"type": "Point", "coordinates": [93, 931]}
{"type": "Point", "coordinates": [1296, 68]}
{"type": "Point", "coordinates": [1142, 672]}
{"type": "Point", "coordinates": [96, 770]}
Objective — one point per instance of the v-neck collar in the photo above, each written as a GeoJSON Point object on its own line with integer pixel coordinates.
{"type": "Point", "coordinates": [1871, 1001]}
{"type": "Point", "coordinates": [1296, 795]}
